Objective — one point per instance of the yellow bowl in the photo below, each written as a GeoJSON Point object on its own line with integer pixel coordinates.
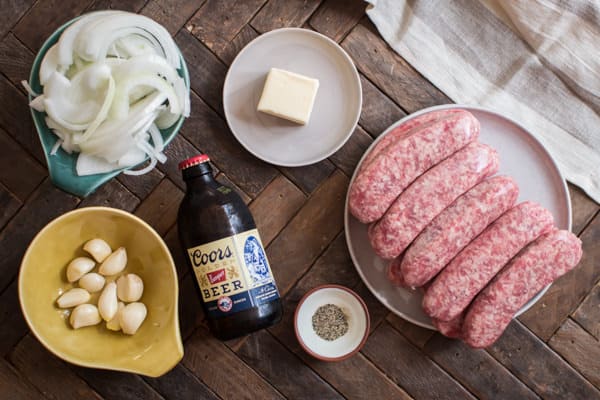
{"type": "Point", "coordinates": [156, 347]}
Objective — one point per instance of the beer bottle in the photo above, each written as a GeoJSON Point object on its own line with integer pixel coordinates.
{"type": "Point", "coordinates": [226, 255]}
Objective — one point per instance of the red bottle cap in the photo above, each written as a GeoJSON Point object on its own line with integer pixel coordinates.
{"type": "Point", "coordinates": [190, 162]}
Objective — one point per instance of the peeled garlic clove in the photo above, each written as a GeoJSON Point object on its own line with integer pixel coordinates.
{"type": "Point", "coordinates": [130, 288]}
{"type": "Point", "coordinates": [92, 282]}
{"type": "Point", "coordinates": [98, 249]}
{"type": "Point", "coordinates": [84, 315]}
{"type": "Point", "coordinates": [114, 324]}
{"type": "Point", "coordinates": [131, 317]}
{"type": "Point", "coordinates": [73, 297]}
{"type": "Point", "coordinates": [79, 267]}
{"type": "Point", "coordinates": [108, 303]}
{"type": "Point", "coordinates": [114, 263]}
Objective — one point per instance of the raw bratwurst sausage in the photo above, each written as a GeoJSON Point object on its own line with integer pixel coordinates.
{"type": "Point", "coordinates": [404, 130]}
{"type": "Point", "coordinates": [470, 271]}
{"type": "Point", "coordinates": [431, 193]}
{"type": "Point", "coordinates": [546, 259]}
{"type": "Point", "coordinates": [456, 227]}
{"type": "Point", "coordinates": [394, 167]}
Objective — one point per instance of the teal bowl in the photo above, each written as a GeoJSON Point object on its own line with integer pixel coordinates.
{"type": "Point", "coordinates": [61, 165]}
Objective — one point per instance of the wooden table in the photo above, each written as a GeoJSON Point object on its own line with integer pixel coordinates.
{"type": "Point", "coordinates": [550, 352]}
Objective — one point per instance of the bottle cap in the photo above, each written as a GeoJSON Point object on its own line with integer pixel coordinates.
{"type": "Point", "coordinates": [190, 162]}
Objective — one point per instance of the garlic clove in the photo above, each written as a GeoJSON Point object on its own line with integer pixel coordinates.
{"type": "Point", "coordinates": [92, 282]}
{"type": "Point", "coordinates": [114, 324]}
{"type": "Point", "coordinates": [107, 302]}
{"type": "Point", "coordinates": [98, 249]}
{"type": "Point", "coordinates": [73, 297]}
{"type": "Point", "coordinates": [131, 317]}
{"type": "Point", "coordinates": [114, 263]}
{"type": "Point", "coordinates": [130, 288]}
{"type": "Point", "coordinates": [84, 315]}
{"type": "Point", "coordinates": [79, 267]}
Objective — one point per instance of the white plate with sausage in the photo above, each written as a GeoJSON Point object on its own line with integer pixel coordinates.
{"type": "Point", "coordinates": [522, 157]}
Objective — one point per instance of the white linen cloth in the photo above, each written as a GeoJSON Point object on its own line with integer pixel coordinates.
{"type": "Point", "coordinates": [535, 61]}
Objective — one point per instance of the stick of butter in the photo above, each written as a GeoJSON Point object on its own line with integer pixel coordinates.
{"type": "Point", "coordinates": [288, 95]}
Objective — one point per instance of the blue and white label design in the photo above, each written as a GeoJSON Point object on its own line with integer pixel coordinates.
{"type": "Point", "coordinates": [256, 261]}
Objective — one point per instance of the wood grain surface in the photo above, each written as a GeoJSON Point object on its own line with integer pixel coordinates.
{"type": "Point", "coordinates": [550, 352]}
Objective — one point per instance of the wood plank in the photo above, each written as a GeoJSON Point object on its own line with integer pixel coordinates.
{"type": "Point", "coordinates": [12, 324]}
{"type": "Point", "coordinates": [567, 292]}
{"type": "Point", "coordinates": [219, 21]}
{"type": "Point", "coordinates": [223, 371]}
{"type": "Point", "coordinates": [125, 5]}
{"type": "Point", "coordinates": [172, 14]}
{"type": "Point", "coordinates": [282, 369]}
{"type": "Point", "coordinates": [356, 377]}
{"type": "Point", "coordinates": [308, 233]}
{"type": "Point", "coordinates": [207, 72]}
{"type": "Point", "coordinates": [12, 10]}
{"type": "Point", "coordinates": [409, 367]}
{"type": "Point", "coordinates": [191, 315]}
{"type": "Point", "coordinates": [378, 111]}
{"type": "Point", "coordinates": [9, 205]}
{"type": "Point", "coordinates": [112, 194]}
{"type": "Point", "coordinates": [160, 208]}
{"type": "Point", "coordinates": [245, 36]}
{"type": "Point", "coordinates": [390, 72]}
{"type": "Point", "coordinates": [588, 313]}
{"type": "Point", "coordinates": [414, 333]}
{"type": "Point", "coordinates": [309, 177]}
{"type": "Point", "coordinates": [15, 60]}
{"type": "Point", "coordinates": [117, 385]}
{"type": "Point", "coordinates": [225, 181]}
{"type": "Point", "coordinates": [377, 311]}
{"type": "Point", "coordinates": [46, 17]}
{"type": "Point", "coordinates": [45, 204]}
{"type": "Point", "coordinates": [142, 185]}
{"type": "Point", "coordinates": [19, 172]}
{"type": "Point", "coordinates": [208, 132]}
{"type": "Point", "coordinates": [172, 242]}
{"type": "Point", "coordinates": [13, 385]}
{"type": "Point", "coordinates": [583, 208]}
{"type": "Point", "coordinates": [348, 156]}
{"type": "Point", "coordinates": [536, 365]}
{"type": "Point", "coordinates": [48, 373]}
{"type": "Point", "coordinates": [275, 206]}
{"type": "Point", "coordinates": [476, 370]}
{"type": "Point", "coordinates": [16, 119]}
{"type": "Point", "coordinates": [579, 348]}
{"type": "Point", "coordinates": [284, 13]}
{"type": "Point", "coordinates": [335, 18]}
{"type": "Point", "coordinates": [178, 150]}
{"type": "Point", "coordinates": [181, 384]}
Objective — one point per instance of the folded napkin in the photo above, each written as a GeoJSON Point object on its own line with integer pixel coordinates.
{"type": "Point", "coordinates": [535, 61]}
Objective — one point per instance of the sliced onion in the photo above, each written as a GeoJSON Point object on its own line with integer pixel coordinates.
{"type": "Point", "coordinates": [109, 84]}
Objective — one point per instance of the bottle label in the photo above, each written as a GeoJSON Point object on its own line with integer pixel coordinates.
{"type": "Point", "coordinates": [233, 274]}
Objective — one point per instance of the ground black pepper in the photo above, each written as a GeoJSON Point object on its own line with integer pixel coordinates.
{"type": "Point", "coordinates": [330, 322]}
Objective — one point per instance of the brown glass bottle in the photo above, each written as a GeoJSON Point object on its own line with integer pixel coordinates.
{"type": "Point", "coordinates": [224, 251]}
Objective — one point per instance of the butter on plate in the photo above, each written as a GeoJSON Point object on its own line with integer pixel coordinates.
{"type": "Point", "coordinates": [288, 95]}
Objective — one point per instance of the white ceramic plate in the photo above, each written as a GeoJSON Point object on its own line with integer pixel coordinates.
{"type": "Point", "coordinates": [335, 112]}
{"type": "Point", "coordinates": [521, 157]}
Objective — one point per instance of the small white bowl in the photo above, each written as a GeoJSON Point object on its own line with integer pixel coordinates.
{"type": "Point", "coordinates": [353, 307]}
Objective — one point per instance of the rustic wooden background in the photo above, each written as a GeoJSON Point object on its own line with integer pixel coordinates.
{"type": "Point", "coordinates": [550, 352]}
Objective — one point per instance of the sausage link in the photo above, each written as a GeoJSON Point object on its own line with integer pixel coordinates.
{"type": "Point", "coordinates": [456, 227]}
{"type": "Point", "coordinates": [470, 271]}
{"type": "Point", "coordinates": [538, 265]}
{"type": "Point", "coordinates": [394, 167]}
{"type": "Point", "coordinates": [430, 194]}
